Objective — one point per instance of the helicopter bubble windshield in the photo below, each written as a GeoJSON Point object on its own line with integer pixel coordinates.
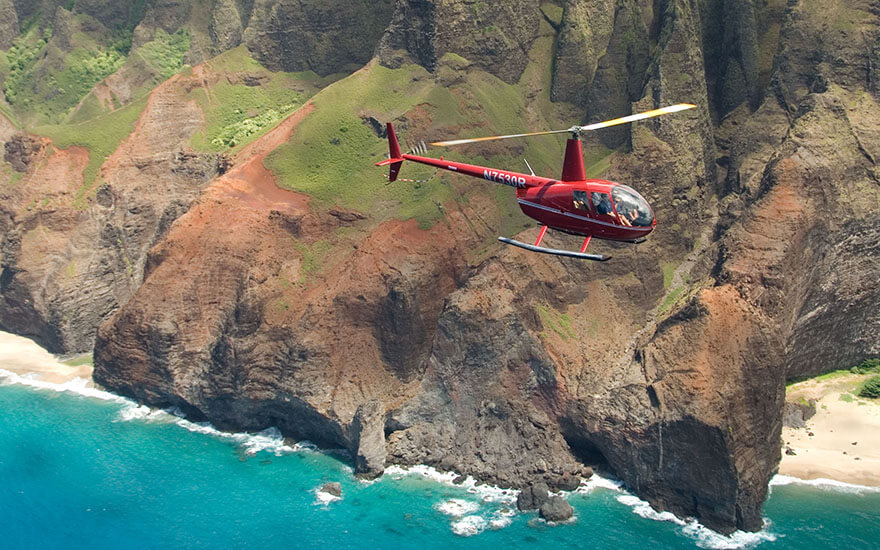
{"type": "Point", "coordinates": [631, 208]}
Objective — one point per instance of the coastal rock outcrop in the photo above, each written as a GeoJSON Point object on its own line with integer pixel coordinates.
{"type": "Point", "coordinates": [368, 439]}
{"type": "Point", "coordinates": [533, 497]}
{"type": "Point", "coordinates": [556, 509]}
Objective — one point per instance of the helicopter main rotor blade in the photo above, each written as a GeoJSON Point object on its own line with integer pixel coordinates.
{"type": "Point", "coordinates": [490, 138]}
{"type": "Point", "coordinates": [576, 129]}
{"type": "Point", "coordinates": [638, 116]}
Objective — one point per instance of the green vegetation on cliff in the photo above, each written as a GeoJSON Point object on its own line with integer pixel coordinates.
{"type": "Point", "coordinates": [46, 83]}
{"type": "Point", "coordinates": [868, 366]}
{"type": "Point", "coordinates": [870, 388]}
{"type": "Point", "coordinates": [52, 66]}
{"type": "Point", "coordinates": [21, 58]}
{"type": "Point", "coordinates": [247, 100]}
{"type": "Point", "coordinates": [165, 52]}
{"type": "Point", "coordinates": [320, 158]}
{"type": "Point", "coordinates": [101, 136]}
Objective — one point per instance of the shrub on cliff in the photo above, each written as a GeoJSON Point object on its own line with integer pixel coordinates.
{"type": "Point", "coordinates": [870, 388]}
{"type": "Point", "coordinates": [868, 366]}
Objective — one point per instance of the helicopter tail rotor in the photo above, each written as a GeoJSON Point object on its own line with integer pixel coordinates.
{"type": "Point", "coordinates": [395, 158]}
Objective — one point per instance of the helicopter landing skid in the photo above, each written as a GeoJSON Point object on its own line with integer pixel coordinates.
{"type": "Point", "coordinates": [556, 251]}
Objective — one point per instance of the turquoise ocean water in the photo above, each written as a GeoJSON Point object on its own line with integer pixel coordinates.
{"type": "Point", "coordinates": [80, 471]}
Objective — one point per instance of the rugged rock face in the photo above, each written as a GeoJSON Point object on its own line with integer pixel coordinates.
{"type": "Point", "coordinates": [226, 25]}
{"type": "Point", "coordinates": [316, 35]}
{"type": "Point", "coordinates": [21, 150]}
{"type": "Point", "coordinates": [687, 412]}
{"type": "Point", "coordinates": [496, 37]}
{"type": "Point", "coordinates": [67, 266]}
{"type": "Point", "coordinates": [8, 23]}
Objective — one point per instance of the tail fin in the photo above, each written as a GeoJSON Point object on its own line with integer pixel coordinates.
{"type": "Point", "coordinates": [395, 159]}
{"type": "Point", "coordinates": [573, 165]}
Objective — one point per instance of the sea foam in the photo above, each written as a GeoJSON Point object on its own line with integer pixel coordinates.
{"type": "Point", "coordinates": [268, 440]}
{"type": "Point", "coordinates": [485, 492]}
{"type": "Point", "coordinates": [324, 498]}
{"type": "Point", "coordinates": [693, 529]}
{"type": "Point", "coordinates": [469, 526]}
{"type": "Point", "coordinates": [598, 482]}
{"type": "Point", "coordinates": [643, 509]}
{"type": "Point", "coordinates": [79, 386]}
{"type": "Point", "coordinates": [457, 507]}
{"type": "Point", "coordinates": [825, 484]}
{"type": "Point", "coordinates": [707, 538]}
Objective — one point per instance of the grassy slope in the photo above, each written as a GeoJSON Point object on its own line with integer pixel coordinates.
{"type": "Point", "coordinates": [101, 136]}
{"type": "Point", "coordinates": [102, 131]}
{"type": "Point", "coordinates": [236, 114]}
{"type": "Point", "coordinates": [331, 155]}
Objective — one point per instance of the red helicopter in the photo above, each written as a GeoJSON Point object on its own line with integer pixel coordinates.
{"type": "Point", "coordinates": [572, 204]}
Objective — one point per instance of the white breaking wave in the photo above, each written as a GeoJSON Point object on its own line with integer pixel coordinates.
{"type": "Point", "coordinates": [79, 386]}
{"type": "Point", "coordinates": [598, 482]}
{"type": "Point", "coordinates": [133, 411]}
{"type": "Point", "coordinates": [643, 509]}
{"type": "Point", "coordinates": [702, 535]}
{"type": "Point", "coordinates": [822, 483]}
{"type": "Point", "coordinates": [324, 498]}
{"type": "Point", "coordinates": [269, 440]}
{"type": "Point", "coordinates": [707, 538]}
{"type": "Point", "coordinates": [502, 518]}
{"type": "Point", "coordinates": [457, 507]}
{"type": "Point", "coordinates": [469, 526]}
{"type": "Point", "coordinates": [485, 492]}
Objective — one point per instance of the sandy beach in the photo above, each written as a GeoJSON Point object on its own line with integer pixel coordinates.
{"type": "Point", "coordinates": [841, 441]}
{"type": "Point", "coordinates": [23, 356]}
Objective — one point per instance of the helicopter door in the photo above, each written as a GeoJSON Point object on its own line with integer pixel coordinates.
{"type": "Point", "coordinates": [602, 208]}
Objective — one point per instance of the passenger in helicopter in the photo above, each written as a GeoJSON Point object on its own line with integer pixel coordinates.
{"type": "Point", "coordinates": [601, 203]}
{"type": "Point", "coordinates": [626, 212]}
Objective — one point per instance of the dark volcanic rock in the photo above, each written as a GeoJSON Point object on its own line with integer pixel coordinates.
{"type": "Point", "coordinates": [368, 440]}
{"type": "Point", "coordinates": [226, 25]}
{"type": "Point", "coordinates": [333, 488]}
{"type": "Point", "coordinates": [325, 37]}
{"type": "Point", "coordinates": [731, 53]}
{"type": "Point", "coordinates": [21, 151]}
{"type": "Point", "coordinates": [533, 497]}
{"type": "Point", "coordinates": [795, 415]}
{"type": "Point", "coordinates": [496, 37]}
{"type": "Point", "coordinates": [8, 23]}
{"type": "Point", "coordinates": [556, 509]}
{"type": "Point", "coordinates": [111, 13]}
{"type": "Point", "coordinates": [567, 483]}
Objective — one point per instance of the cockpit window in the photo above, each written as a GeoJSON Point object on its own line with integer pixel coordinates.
{"type": "Point", "coordinates": [601, 202]}
{"type": "Point", "coordinates": [631, 208]}
{"type": "Point", "coordinates": [580, 200]}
